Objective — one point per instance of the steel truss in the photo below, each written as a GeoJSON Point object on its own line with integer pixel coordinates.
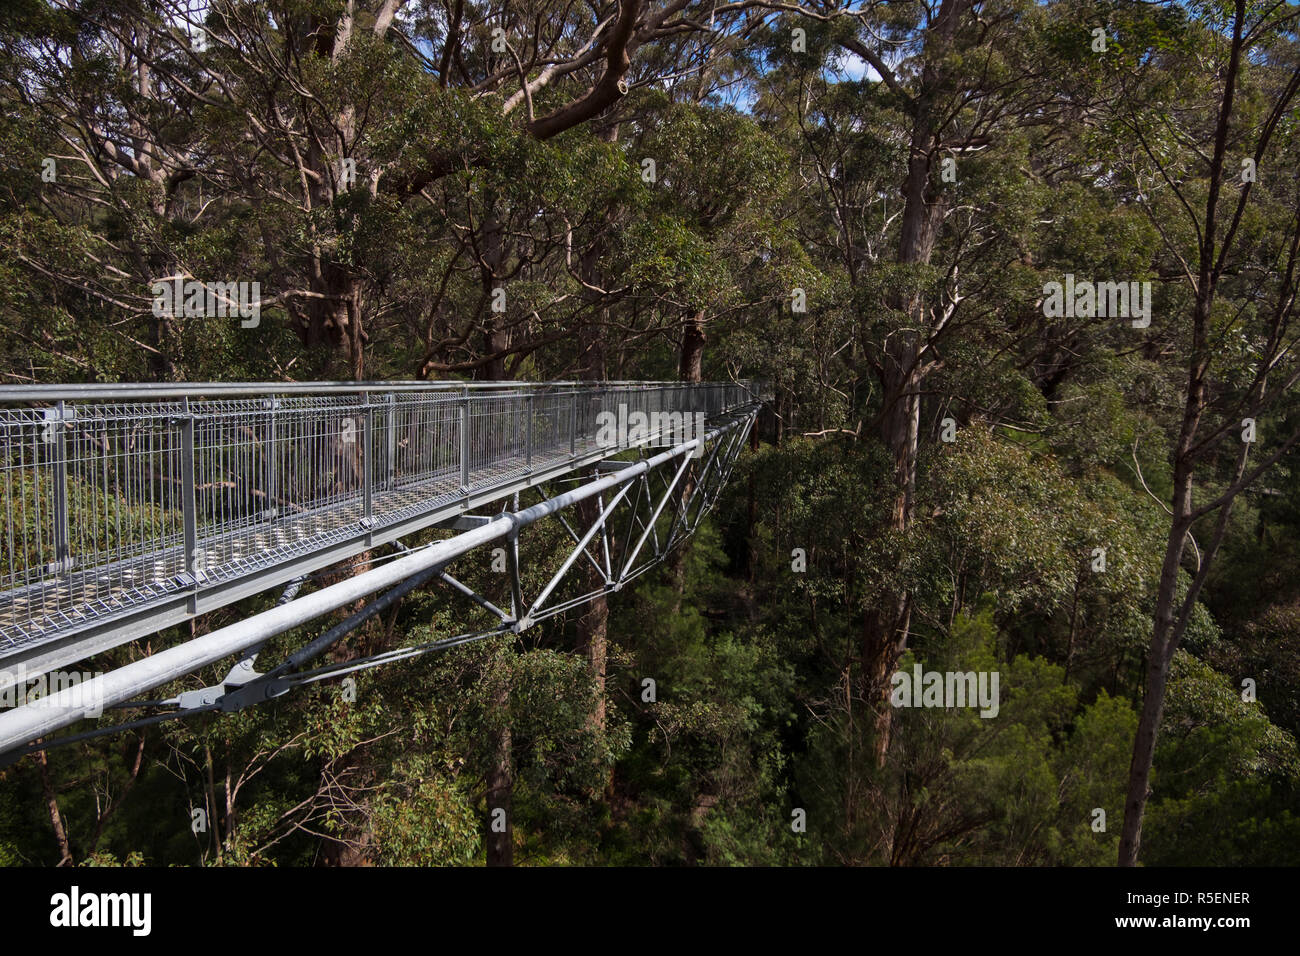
{"type": "Point", "coordinates": [644, 509]}
{"type": "Point", "coordinates": [126, 509]}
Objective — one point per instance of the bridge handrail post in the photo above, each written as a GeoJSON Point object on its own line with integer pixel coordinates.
{"type": "Point", "coordinates": [189, 504]}
{"type": "Point", "coordinates": [270, 512]}
{"type": "Point", "coordinates": [464, 441]}
{"type": "Point", "coordinates": [367, 484]}
{"type": "Point", "coordinates": [528, 440]}
{"type": "Point", "coordinates": [573, 423]}
{"type": "Point", "coordinates": [62, 538]}
{"type": "Point", "coordinates": [391, 476]}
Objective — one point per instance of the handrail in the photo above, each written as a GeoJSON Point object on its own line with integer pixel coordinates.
{"type": "Point", "coordinates": [183, 497]}
{"type": "Point", "coordinates": [39, 393]}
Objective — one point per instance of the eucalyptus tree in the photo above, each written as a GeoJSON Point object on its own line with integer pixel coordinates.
{"type": "Point", "coordinates": [309, 134]}
{"type": "Point", "coordinates": [1215, 163]}
{"type": "Point", "coordinates": [894, 161]}
{"type": "Point", "coordinates": [108, 90]}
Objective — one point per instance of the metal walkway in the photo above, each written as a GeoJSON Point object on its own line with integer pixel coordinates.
{"type": "Point", "coordinates": [131, 508]}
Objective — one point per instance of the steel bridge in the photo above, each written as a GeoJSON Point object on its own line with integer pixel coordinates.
{"type": "Point", "coordinates": [128, 509]}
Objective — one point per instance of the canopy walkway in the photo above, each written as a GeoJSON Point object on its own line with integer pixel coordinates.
{"type": "Point", "coordinates": [131, 508]}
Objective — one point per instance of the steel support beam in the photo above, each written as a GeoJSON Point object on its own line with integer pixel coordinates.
{"type": "Point", "coordinates": [24, 724]}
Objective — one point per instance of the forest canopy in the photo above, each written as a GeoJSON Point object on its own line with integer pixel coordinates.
{"type": "Point", "coordinates": [1020, 276]}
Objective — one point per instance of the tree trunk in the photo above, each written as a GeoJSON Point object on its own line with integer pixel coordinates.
{"type": "Point", "coordinates": [1170, 622]}
{"type": "Point", "coordinates": [1168, 625]}
{"type": "Point", "coordinates": [751, 513]}
{"type": "Point", "coordinates": [690, 370]}
{"type": "Point", "coordinates": [162, 336]}
{"type": "Point", "coordinates": [329, 324]}
{"type": "Point", "coordinates": [495, 341]}
{"type": "Point", "coordinates": [886, 626]}
{"type": "Point", "coordinates": [593, 622]}
{"type": "Point", "coordinates": [496, 338]}
{"type": "Point", "coordinates": [56, 818]}
{"type": "Point", "coordinates": [692, 352]}
{"type": "Point", "coordinates": [162, 329]}
{"type": "Point", "coordinates": [1159, 659]}
{"type": "Point", "coordinates": [500, 781]}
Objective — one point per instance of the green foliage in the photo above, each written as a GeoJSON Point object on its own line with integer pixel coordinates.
{"type": "Point", "coordinates": [920, 216]}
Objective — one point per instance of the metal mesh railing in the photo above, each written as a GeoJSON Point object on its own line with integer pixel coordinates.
{"type": "Point", "coordinates": [115, 496]}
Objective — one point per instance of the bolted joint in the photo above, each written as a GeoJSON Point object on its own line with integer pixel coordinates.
{"type": "Point", "coordinates": [252, 694]}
